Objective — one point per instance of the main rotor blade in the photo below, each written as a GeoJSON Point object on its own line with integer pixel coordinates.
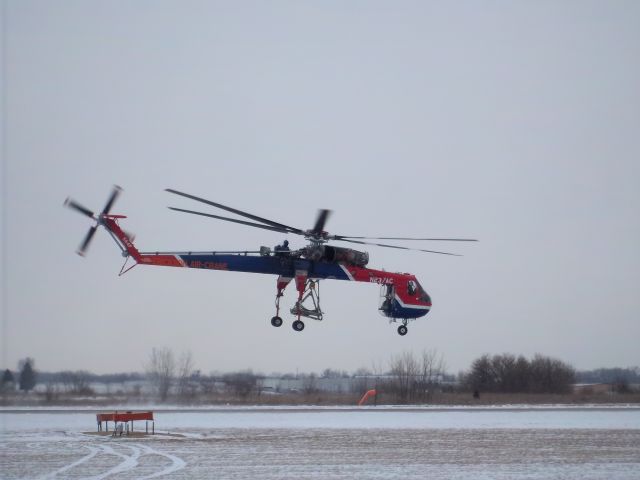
{"type": "Point", "coordinates": [85, 244]}
{"type": "Point", "coordinates": [340, 237]}
{"type": "Point", "coordinates": [238, 212]}
{"type": "Point", "coordinates": [76, 206]}
{"type": "Point", "coordinates": [242, 222]}
{"type": "Point", "coordinates": [114, 194]}
{"type": "Point", "coordinates": [398, 247]}
{"type": "Point", "coordinates": [323, 215]}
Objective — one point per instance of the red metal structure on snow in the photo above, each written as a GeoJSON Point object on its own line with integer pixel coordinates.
{"type": "Point", "coordinates": [126, 418]}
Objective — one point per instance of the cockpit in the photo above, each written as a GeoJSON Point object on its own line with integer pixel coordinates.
{"type": "Point", "coordinates": [414, 289]}
{"type": "Point", "coordinates": [397, 300]}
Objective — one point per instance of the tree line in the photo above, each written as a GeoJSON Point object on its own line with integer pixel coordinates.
{"type": "Point", "coordinates": [26, 378]}
{"type": "Point", "coordinates": [507, 373]}
{"type": "Point", "coordinates": [407, 378]}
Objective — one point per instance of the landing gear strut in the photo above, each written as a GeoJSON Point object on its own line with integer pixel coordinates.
{"type": "Point", "coordinates": [308, 304]}
{"type": "Point", "coordinates": [311, 292]}
{"type": "Point", "coordinates": [282, 284]}
{"type": "Point", "coordinates": [308, 291]}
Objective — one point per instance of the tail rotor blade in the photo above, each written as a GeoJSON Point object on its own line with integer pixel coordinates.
{"type": "Point", "coordinates": [114, 195]}
{"type": "Point", "coordinates": [87, 239]}
{"type": "Point", "coordinates": [73, 205]}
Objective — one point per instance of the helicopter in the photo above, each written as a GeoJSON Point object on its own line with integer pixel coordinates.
{"type": "Point", "coordinates": [402, 298]}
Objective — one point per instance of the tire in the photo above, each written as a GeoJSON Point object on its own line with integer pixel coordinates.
{"type": "Point", "coordinates": [276, 321]}
{"type": "Point", "coordinates": [402, 330]}
{"type": "Point", "coordinates": [298, 326]}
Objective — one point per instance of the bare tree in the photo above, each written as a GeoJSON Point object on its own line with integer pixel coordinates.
{"type": "Point", "coordinates": [430, 374]}
{"type": "Point", "coordinates": [76, 382]}
{"type": "Point", "coordinates": [404, 370]}
{"type": "Point", "coordinates": [481, 377]}
{"type": "Point", "coordinates": [550, 375]}
{"type": "Point", "coordinates": [50, 392]}
{"type": "Point", "coordinates": [241, 383]}
{"type": "Point", "coordinates": [185, 370]}
{"type": "Point", "coordinates": [504, 371]}
{"type": "Point", "coordinates": [309, 383]}
{"type": "Point", "coordinates": [160, 371]}
{"type": "Point", "coordinates": [522, 375]}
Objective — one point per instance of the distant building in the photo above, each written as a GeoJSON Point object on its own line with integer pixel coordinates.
{"type": "Point", "coordinates": [593, 388]}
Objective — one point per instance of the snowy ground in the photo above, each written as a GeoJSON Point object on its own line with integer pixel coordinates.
{"type": "Point", "coordinates": [295, 443]}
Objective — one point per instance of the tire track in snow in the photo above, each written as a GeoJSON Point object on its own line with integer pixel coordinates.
{"type": "Point", "coordinates": [176, 463]}
{"type": "Point", "coordinates": [129, 461]}
{"type": "Point", "coordinates": [86, 458]}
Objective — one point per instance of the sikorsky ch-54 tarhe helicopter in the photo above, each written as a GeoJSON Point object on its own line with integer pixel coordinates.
{"type": "Point", "coordinates": [402, 298]}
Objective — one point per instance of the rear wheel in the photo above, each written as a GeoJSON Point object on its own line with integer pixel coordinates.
{"type": "Point", "coordinates": [298, 326]}
{"type": "Point", "coordinates": [402, 330]}
{"type": "Point", "coordinates": [276, 321]}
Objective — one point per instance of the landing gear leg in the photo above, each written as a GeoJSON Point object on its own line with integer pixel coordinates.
{"type": "Point", "coordinates": [301, 282]}
{"type": "Point", "coordinates": [282, 284]}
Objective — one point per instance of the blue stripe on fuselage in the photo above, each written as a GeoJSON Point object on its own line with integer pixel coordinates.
{"type": "Point", "coordinates": [396, 310]}
{"type": "Point", "coordinates": [273, 265]}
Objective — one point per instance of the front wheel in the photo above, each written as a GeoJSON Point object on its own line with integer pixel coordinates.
{"type": "Point", "coordinates": [276, 321]}
{"type": "Point", "coordinates": [298, 326]}
{"type": "Point", "coordinates": [402, 330]}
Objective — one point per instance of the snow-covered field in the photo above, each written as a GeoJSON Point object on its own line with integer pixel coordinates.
{"type": "Point", "coordinates": [296, 443]}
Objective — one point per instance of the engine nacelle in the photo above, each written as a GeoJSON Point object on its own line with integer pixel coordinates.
{"type": "Point", "coordinates": [328, 253]}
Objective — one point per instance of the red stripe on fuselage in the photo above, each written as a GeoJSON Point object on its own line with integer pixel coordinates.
{"type": "Point", "coordinates": [161, 260]}
{"type": "Point", "coordinates": [400, 281]}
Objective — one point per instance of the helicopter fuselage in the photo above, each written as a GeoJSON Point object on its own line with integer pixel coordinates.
{"type": "Point", "coordinates": [405, 298]}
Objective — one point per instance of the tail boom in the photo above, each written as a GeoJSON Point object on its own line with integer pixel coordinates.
{"type": "Point", "coordinates": [111, 224]}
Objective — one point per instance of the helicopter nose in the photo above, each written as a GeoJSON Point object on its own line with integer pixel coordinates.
{"type": "Point", "coordinates": [427, 299]}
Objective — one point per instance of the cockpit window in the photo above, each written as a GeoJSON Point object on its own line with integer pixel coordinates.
{"type": "Point", "coordinates": [411, 287]}
{"type": "Point", "coordinates": [422, 295]}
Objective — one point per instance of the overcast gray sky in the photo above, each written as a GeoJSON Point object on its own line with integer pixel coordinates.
{"type": "Point", "coordinates": [517, 123]}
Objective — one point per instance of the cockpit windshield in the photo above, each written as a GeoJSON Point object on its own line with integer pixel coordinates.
{"type": "Point", "coordinates": [422, 295]}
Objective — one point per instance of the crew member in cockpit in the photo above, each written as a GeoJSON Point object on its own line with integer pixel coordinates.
{"type": "Point", "coordinates": [281, 250]}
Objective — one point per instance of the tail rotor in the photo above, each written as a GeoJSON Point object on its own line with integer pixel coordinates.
{"type": "Point", "coordinates": [115, 193]}
{"type": "Point", "coordinates": [73, 205]}
{"type": "Point", "coordinates": [87, 239]}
